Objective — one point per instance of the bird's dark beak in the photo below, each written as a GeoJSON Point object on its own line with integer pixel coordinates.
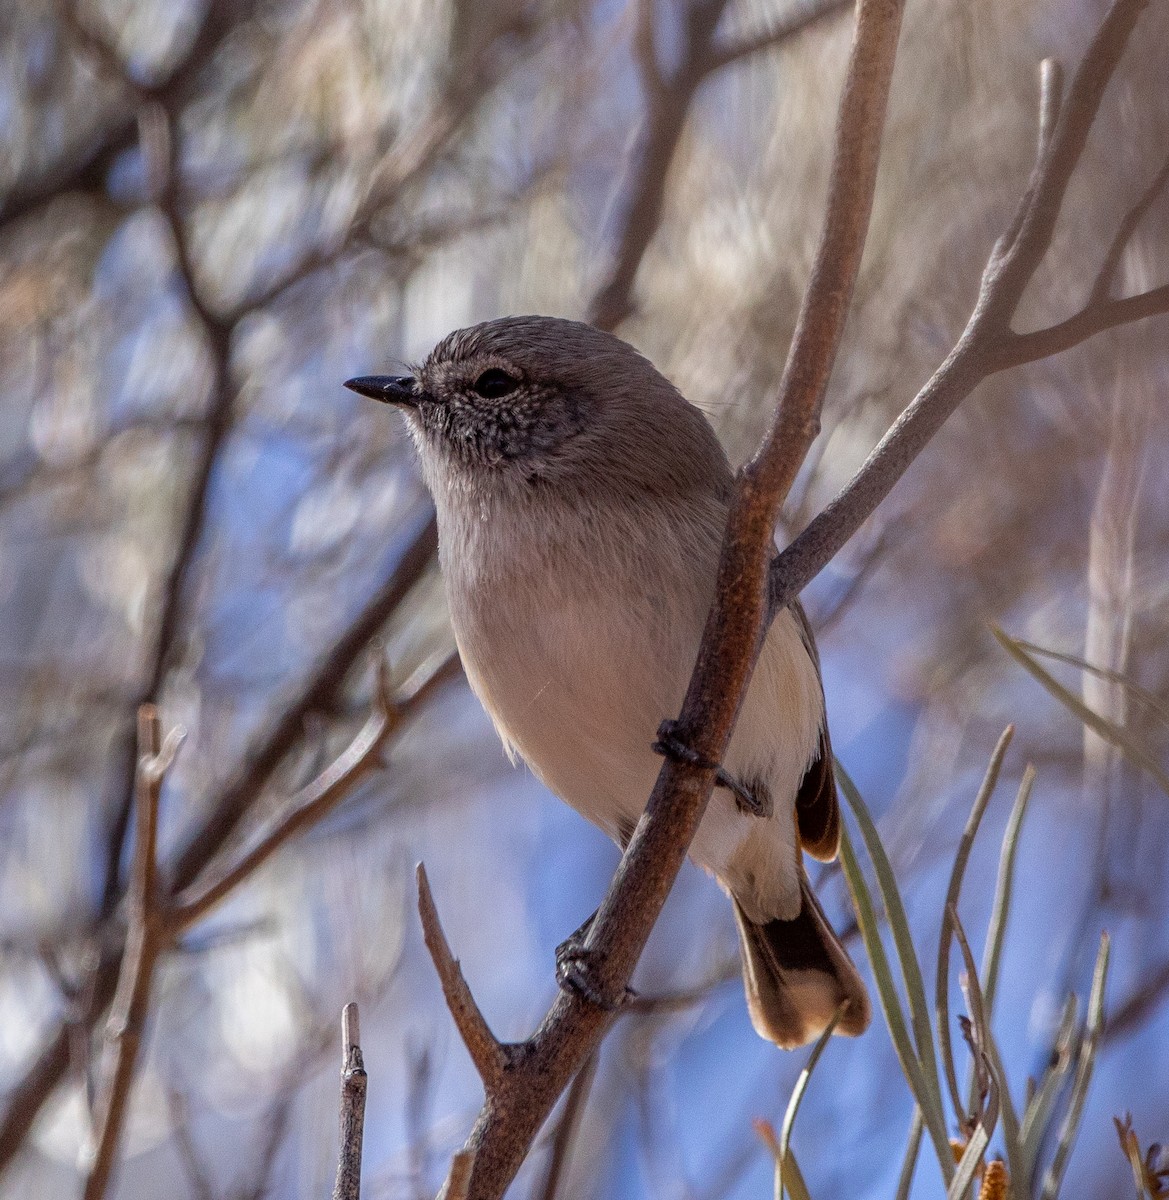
{"type": "Point", "coordinates": [389, 389]}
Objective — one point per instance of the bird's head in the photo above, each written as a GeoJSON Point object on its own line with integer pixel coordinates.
{"type": "Point", "coordinates": [541, 399]}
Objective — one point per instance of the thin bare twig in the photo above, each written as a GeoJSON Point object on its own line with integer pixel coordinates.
{"type": "Point", "coordinates": [668, 1002]}
{"type": "Point", "coordinates": [798, 18]}
{"type": "Point", "coordinates": [1128, 226]}
{"type": "Point", "coordinates": [489, 1056]}
{"type": "Point", "coordinates": [198, 1177]}
{"type": "Point", "coordinates": [1050, 98]}
{"type": "Point", "coordinates": [323, 685]}
{"type": "Point", "coordinates": [276, 1121]}
{"type": "Point", "coordinates": [418, 1116]}
{"type": "Point", "coordinates": [1140, 1004]}
{"type": "Point", "coordinates": [891, 536]}
{"type": "Point", "coordinates": [820, 324]}
{"type": "Point", "coordinates": [668, 100]}
{"type": "Point", "coordinates": [145, 941]}
{"type": "Point", "coordinates": [353, 1084]}
{"type": "Point", "coordinates": [1096, 318]}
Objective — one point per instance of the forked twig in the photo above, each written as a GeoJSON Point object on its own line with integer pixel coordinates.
{"type": "Point", "coordinates": [488, 1055]}
{"type": "Point", "coordinates": [669, 99]}
{"type": "Point", "coordinates": [988, 344]}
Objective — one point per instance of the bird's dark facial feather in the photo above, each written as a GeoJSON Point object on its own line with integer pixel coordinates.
{"type": "Point", "coordinates": [485, 408]}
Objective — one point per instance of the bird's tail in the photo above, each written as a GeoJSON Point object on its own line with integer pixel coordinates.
{"type": "Point", "coordinates": [796, 973]}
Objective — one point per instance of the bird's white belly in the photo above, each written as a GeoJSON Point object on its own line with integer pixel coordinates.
{"type": "Point", "coordinates": [579, 697]}
{"type": "Point", "coordinates": [585, 687]}
{"type": "Point", "coordinates": [579, 647]}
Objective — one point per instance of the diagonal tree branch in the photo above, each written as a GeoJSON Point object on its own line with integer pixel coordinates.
{"type": "Point", "coordinates": [749, 592]}
{"type": "Point", "coordinates": [798, 18]}
{"type": "Point", "coordinates": [1097, 317]}
{"type": "Point", "coordinates": [324, 685]}
{"type": "Point", "coordinates": [84, 169]}
{"type": "Point", "coordinates": [567, 1131]}
{"type": "Point", "coordinates": [317, 799]}
{"type": "Point", "coordinates": [539, 1071]}
{"type": "Point", "coordinates": [1124, 235]}
{"type": "Point", "coordinates": [668, 104]}
{"type": "Point", "coordinates": [1142, 1003]}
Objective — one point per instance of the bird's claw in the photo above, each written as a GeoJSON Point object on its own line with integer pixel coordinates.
{"type": "Point", "coordinates": [576, 973]}
{"type": "Point", "coordinates": [670, 745]}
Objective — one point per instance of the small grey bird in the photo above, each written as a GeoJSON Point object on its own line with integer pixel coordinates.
{"type": "Point", "coordinates": [581, 507]}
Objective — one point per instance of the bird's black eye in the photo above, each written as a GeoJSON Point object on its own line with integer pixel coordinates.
{"type": "Point", "coordinates": [494, 382]}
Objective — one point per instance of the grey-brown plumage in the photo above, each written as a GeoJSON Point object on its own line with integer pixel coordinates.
{"type": "Point", "coordinates": [581, 506]}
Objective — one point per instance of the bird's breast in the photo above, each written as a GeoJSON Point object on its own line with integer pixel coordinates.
{"type": "Point", "coordinates": [578, 634]}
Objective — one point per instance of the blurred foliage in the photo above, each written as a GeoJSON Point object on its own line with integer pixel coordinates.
{"type": "Point", "coordinates": [211, 213]}
{"type": "Point", "coordinates": [1151, 1169]}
